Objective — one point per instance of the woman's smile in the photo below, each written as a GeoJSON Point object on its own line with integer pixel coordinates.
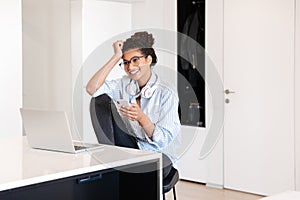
{"type": "Point", "coordinates": [134, 71]}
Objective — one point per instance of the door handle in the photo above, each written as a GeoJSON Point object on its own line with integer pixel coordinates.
{"type": "Point", "coordinates": [227, 91]}
{"type": "Point", "coordinates": [89, 178]}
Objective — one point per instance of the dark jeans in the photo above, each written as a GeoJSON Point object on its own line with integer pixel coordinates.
{"type": "Point", "coordinates": [110, 129]}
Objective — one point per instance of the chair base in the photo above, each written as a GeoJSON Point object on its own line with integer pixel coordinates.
{"type": "Point", "coordinates": [174, 194]}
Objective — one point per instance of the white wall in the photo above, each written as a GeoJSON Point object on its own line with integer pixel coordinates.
{"type": "Point", "coordinates": [47, 70]}
{"type": "Point", "coordinates": [159, 14]}
{"type": "Point", "coordinates": [101, 21]}
{"type": "Point", "coordinates": [76, 57]}
{"type": "Point", "coordinates": [214, 50]}
{"type": "Point", "coordinates": [297, 96]}
{"type": "Point", "coordinates": [10, 67]}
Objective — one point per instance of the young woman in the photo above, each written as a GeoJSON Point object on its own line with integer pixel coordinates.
{"type": "Point", "coordinates": [151, 119]}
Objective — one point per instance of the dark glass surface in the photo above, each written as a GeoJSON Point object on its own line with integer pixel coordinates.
{"type": "Point", "coordinates": [191, 78]}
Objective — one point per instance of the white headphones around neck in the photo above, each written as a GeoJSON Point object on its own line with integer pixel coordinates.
{"type": "Point", "coordinates": [147, 91]}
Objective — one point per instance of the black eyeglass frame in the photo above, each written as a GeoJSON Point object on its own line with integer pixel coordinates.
{"type": "Point", "coordinates": [126, 63]}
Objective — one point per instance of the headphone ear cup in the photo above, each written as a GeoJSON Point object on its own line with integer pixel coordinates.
{"type": "Point", "coordinates": [145, 93]}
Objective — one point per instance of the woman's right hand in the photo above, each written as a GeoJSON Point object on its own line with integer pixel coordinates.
{"type": "Point", "coordinates": [100, 76]}
{"type": "Point", "coordinates": [118, 46]}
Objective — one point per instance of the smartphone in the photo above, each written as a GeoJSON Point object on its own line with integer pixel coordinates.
{"type": "Point", "coordinates": [122, 102]}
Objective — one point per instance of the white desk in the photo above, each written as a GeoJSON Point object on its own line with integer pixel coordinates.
{"type": "Point", "coordinates": [22, 167]}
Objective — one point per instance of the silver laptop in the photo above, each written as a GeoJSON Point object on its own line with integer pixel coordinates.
{"type": "Point", "coordinates": [50, 130]}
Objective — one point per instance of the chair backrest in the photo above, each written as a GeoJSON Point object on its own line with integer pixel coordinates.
{"type": "Point", "coordinates": [170, 181]}
{"type": "Point", "coordinates": [101, 117]}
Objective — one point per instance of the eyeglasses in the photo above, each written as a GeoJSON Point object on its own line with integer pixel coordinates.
{"type": "Point", "coordinates": [135, 61]}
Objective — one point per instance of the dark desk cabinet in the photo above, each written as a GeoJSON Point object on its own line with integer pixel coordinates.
{"type": "Point", "coordinates": [130, 182]}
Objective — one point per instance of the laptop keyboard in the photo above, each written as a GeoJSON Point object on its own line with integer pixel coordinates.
{"type": "Point", "coordinates": [79, 147]}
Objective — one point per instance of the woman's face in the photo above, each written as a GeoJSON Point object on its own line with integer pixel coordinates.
{"type": "Point", "coordinates": [137, 66]}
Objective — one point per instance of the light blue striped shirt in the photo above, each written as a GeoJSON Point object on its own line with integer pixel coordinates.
{"type": "Point", "coordinates": [161, 108]}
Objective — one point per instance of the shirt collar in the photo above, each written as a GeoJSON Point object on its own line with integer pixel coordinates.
{"type": "Point", "coordinates": [153, 79]}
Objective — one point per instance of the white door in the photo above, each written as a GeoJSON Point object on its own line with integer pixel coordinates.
{"type": "Point", "coordinates": [259, 119]}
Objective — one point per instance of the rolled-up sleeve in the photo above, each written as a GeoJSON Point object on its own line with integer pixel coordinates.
{"type": "Point", "coordinates": [109, 88]}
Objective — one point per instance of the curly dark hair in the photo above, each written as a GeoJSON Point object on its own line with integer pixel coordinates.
{"type": "Point", "coordinates": [142, 41]}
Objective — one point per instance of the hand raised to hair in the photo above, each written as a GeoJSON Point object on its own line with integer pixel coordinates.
{"type": "Point", "coordinates": [118, 46]}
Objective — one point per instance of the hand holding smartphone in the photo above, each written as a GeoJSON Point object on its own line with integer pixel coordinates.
{"type": "Point", "coordinates": [122, 102]}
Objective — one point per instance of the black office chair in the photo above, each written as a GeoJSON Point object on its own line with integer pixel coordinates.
{"type": "Point", "coordinates": [100, 112]}
{"type": "Point", "coordinates": [170, 181]}
{"type": "Point", "coordinates": [100, 108]}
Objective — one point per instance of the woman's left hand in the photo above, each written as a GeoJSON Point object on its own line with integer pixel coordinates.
{"type": "Point", "coordinates": [133, 112]}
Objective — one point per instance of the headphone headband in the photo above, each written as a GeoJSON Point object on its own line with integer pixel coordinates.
{"type": "Point", "coordinates": [147, 91]}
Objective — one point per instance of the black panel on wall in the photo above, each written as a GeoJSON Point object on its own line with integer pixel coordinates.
{"type": "Point", "coordinates": [191, 76]}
